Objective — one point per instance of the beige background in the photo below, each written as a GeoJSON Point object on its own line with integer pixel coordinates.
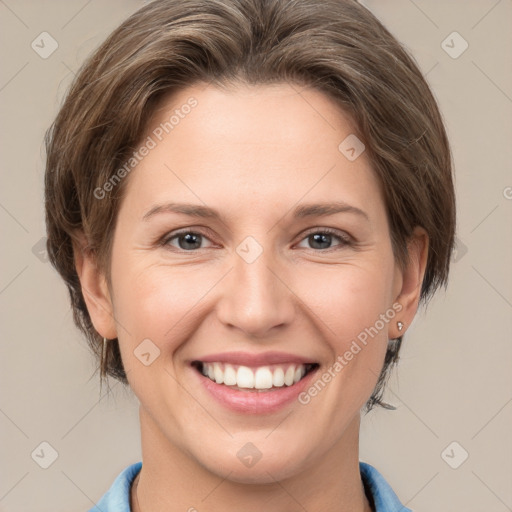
{"type": "Point", "coordinates": [454, 382]}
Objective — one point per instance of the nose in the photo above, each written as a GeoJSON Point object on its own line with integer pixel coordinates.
{"type": "Point", "coordinates": [256, 297]}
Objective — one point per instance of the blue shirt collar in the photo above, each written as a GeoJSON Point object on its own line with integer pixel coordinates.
{"type": "Point", "coordinates": [117, 498]}
{"type": "Point", "coordinates": [378, 490]}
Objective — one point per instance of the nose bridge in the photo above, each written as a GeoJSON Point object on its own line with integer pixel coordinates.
{"type": "Point", "coordinates": [256, 298]}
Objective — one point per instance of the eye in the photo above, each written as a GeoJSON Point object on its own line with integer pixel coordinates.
{"type": "Point", "coordinates": [187, 240]}
{"type": "Point", "coordinates": [323, 237]}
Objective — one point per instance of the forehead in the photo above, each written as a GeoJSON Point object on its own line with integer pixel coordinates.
{"type": "Point", "coordinates": [276, 114]}
{"type": "Point", "coordinates": [264, 145]}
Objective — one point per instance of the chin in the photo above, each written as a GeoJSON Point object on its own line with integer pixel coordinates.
{"type": "Point", "coordinates": [265, 470]}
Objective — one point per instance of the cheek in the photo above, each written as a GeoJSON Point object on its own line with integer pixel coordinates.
{"type": "Point", "coordinates": [347, 299]}
{"type": "Point", "coordinates": [352, 310]}
{"type": "Point", "coordinates": [155, 306]}
{"type": "Point", "coordinates": [158, 301]}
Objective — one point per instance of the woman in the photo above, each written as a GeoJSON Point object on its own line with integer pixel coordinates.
{"type": "Point", "coordinates": [248, 199]}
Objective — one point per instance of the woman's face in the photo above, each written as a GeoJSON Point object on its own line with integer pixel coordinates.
{"type": "Point", "coordinates": [247, 276]}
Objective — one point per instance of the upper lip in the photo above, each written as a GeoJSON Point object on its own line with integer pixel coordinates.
{"type": "Point", "coordinates": [250, 359]}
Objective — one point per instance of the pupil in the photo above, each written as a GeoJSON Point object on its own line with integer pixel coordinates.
{"type": "Point", "coordinates": [321, 238]}
{"type": "Point", "coordinates": [189, 239]}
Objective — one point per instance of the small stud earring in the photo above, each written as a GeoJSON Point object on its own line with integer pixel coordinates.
{"type": "Point", "coordinates": [400, 325]}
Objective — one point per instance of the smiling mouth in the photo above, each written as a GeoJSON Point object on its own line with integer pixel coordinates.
{"type": "Point", "coordinates": [257, 379]}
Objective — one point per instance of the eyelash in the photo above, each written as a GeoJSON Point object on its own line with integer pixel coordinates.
{"type": "Point", "coordinates": [346, 240]}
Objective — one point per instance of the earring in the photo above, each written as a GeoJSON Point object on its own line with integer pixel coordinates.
{"type": "Point", "coordinates": [400, 325]}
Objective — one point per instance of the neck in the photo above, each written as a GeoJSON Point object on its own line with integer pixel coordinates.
{"type": "Point", "coordinates": [171, 480]}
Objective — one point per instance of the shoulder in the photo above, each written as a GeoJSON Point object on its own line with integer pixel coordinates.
{"type": "Point", "coordinates": [117, 498]}
{"type": "Point", "coordinates": [378, 490]}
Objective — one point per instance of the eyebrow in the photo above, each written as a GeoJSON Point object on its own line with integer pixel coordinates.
{"type": "Point", "coordinates": [301, 211]}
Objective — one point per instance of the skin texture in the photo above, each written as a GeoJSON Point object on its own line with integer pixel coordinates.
{"type": "Point", "coordinates": [254, 153]}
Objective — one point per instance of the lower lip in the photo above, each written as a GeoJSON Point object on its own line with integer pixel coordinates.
{"type": "Point", "coordinates": [254, 402]}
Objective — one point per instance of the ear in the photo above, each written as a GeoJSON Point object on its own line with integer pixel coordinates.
{"type": "Point", "coordinates": [94, 288]}
{"type": "Point", "coordinates": [409, 280]}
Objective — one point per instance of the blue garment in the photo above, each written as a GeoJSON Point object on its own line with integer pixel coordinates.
{"type": "Point", "coordinates": [117, 498]}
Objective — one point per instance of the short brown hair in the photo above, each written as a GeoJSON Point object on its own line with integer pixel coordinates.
{"type": "Point", "coordinates": [337, 47]}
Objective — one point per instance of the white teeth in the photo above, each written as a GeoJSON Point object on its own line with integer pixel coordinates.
{"type": "Point", "coordinates": [289, 375]}
{"type": "Point", "coordinates": [278, 377]}
{"type": "Point", "coordinates": [264, 377]}
{"type": "Point", "coordinates": [218, 373]}
{"type": "Point", "coordinates": [244, 377]}
{"type": "Point", "coordinates": [229, 376]}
